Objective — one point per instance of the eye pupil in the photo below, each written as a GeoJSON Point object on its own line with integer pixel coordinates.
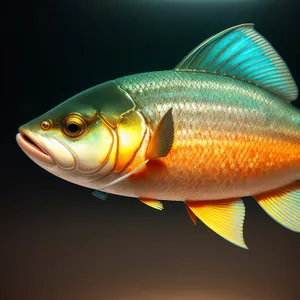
{"type": "Point", "coordinates": [73, 127]}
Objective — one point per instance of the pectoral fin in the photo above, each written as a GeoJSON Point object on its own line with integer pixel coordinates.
{"type": "Point", "coordinates": [283, 205]}
{"type": "Point", "coordinates": [100, 195]}
{"type": "Point", "coordinates": [163, 137]}
{"type": "Point", "coordinates": [152, 203]}
{"type": "Point", "coordinates": [225, 217]}
{"type": "Point", "coordinates": [159, 146]}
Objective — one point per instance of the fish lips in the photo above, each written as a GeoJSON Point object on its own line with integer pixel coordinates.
{"type": "Point", "coordinates": [32, 148]}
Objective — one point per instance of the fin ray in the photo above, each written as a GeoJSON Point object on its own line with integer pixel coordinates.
{"type": "Point", "coordinates": [225, 217]}
{"type": "Point", "coordinates": [241, 52]}
{"type": "Point", "coordinates": [162, 138]}
{"type": "Point", "coordinates": [152, 203]}
{"type": "Point", "coordinates": [283, 205]}
{"type": "Point", "coordinates": [100, 195]}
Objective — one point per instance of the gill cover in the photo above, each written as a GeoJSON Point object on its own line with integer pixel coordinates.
{"type": "Point", "coordinates": [116, 135]}
{"type": "Point", "coordinates": [131, 130]}
{"type": "Point", "coordinates": [160, 145]}
{"type": "Point", "coordinates": [118, 116]}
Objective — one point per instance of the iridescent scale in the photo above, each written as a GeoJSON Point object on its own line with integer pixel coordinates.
{"type": "Point", "coordinates": [232, 138]}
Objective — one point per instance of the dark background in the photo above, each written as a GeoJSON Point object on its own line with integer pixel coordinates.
{"type": "Point", "coordinates": [57, 240]}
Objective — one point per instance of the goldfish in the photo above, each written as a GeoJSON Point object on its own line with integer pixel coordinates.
{"type": "Point", "coordinates": [216, 128]}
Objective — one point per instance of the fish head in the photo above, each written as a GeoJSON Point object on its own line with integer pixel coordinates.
{"type": "Point", "coordinates": [77, 140]}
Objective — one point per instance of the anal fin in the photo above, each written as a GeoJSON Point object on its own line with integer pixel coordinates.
{"type": "Point", "coordinates": [283, 205]}
{"type": "Point", "coordinates": [152, 203]}
{"type": "Point", "coordinates": [225, 217]}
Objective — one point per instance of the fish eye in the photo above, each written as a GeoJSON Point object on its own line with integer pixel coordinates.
{"type": "Point", "coordinates": [74, 126]}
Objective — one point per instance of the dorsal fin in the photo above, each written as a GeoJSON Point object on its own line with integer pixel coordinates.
{"type": "Point", "coordinates": [241, 52]}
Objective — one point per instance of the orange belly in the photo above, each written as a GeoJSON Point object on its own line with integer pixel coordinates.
{"type": "Point", "coordinates": [220, 167]}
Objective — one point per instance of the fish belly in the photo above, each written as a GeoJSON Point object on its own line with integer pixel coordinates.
{"type": "Point", "coordinates": [232, 139]}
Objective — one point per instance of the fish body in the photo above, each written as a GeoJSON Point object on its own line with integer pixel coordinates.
{"type": "Point", "coordinates": [232, 138]}
{"type": "Point", "coordinates": [216, 128]}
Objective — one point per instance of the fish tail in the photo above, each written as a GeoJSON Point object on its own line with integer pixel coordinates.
{"type": "Point", "coordinates": [283, 205]}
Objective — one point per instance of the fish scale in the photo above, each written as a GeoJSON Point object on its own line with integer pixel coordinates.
{"type": "Point", "coordinates": [228, 143]}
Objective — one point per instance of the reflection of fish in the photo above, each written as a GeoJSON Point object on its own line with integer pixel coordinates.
{"type": "Point", "coordinates": [216, 128]}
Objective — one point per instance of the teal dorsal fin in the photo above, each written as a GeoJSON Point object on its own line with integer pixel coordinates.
{"type": "Point", "coordinates": [241, 52]}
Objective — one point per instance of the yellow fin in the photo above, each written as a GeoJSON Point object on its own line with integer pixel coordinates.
{"type": "Point", "coordinates": [225, 217]}
{"type": "Point", "coordinates": [283, 205]}
{"type": "Point", "coordinates": [191, 214]}
{"type": "Point", "coordinates": [152, 203]}
{"type": "Point", "coordinates": [162, 138]}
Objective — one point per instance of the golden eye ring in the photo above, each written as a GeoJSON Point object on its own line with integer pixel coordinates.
{"type": "Point", "coordinates": [74, 126]}
{"type": "Point", "coordinates": [45, 125]}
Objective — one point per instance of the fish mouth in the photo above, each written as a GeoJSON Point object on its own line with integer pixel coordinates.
{"type": "Point", "coordinates": [29, 144]}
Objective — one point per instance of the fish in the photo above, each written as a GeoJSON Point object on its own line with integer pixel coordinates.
{"type": "Point", "coordinates": [218, 127]}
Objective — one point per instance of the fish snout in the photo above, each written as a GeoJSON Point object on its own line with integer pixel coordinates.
{"type": "Point", "coordinates": [32, 147]}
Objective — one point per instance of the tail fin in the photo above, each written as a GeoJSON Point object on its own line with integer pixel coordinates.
{"type": "Point", "coordinates": [283, 205]}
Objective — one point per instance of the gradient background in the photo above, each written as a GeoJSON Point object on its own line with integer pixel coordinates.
{"type": "Point", "coordinates": [57, 240]}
